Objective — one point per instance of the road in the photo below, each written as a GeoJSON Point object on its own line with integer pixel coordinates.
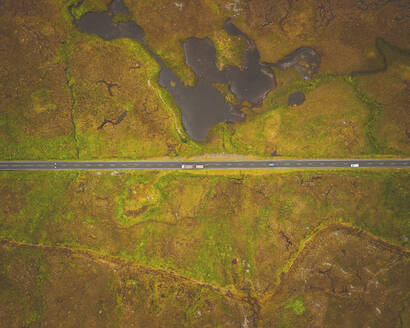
{"type": "Point", "coordinates": [150, 165]}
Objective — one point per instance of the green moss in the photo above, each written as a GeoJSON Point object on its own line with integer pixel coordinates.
{"type": "Point", "coordinates": [31, 317]}
{"type": "Point", "coordinates": [211, 229]}
{"type": "Point", "coordinates": [292, 83]}
{"type": "Point", "coordinates": [173, 109]}
{"type": "Point", "coordinates": [395, 195]}
{"type": "Point", "coordinates": [306, 129]}
{"type": "Point", "coordinates": [45, 192]}
{"type": "Point", "coordinates": [214, 6]}
{"type": "Point", "coordinates": [297, 306]}
{"type": "Point", "coordinates": [90, 6]}
{"type": "Point", "coordinates": [123, 18]}
{"type": "Point", "coordinates": [122, 199]}
{"type": "Point", "coordinates": [119, 307]}
{"type": "Point", "coordinates": [215, 252]}
{"type": "Point", "coordinates": [229, 50]}
{"type": "Point", "coordinates": [374, 109]}
{"type": "Point", "coordinates": [224, 90]}
{"type": "Point", "coordinates": [37, 148]}
{"type": "Point", "coordinates": [249, 138]}
{"type": "Point", "coordinates": [286, 210]}
{"type": "Point", "coordinates": [29, 307]}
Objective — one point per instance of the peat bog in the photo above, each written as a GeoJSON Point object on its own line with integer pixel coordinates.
{"type": "Point", "coordinates": [202, 106]}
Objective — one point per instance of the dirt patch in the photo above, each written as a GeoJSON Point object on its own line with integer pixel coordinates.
{"type": "Point", "coordinates": [80, 287]}
{"type": "Point", "coordinates": [338, 271]}
{"type": "Point", "coordinates": [342, 277]}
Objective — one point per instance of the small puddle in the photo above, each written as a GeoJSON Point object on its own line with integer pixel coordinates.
{"type": "Point", "coordinates": [202, 106]}
{"type": "Point", "coordinates": [296, 98]}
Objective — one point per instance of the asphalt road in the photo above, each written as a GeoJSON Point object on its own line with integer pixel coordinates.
{"type": "Point", "coordinates": [170, 165]}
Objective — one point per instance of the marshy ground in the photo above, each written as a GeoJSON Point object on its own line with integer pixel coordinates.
{"type": "Point", "coordinates": [204, 249]}
{"type": "Point", "coordinates": [53, 100]}
{"type": "Point", "coordinates": [297, 249]}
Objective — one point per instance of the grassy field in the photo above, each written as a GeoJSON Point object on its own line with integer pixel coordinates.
{"type": "Point", "coordinates": [52, 105]}
{"type": "Point", "coordinates": [312, 248]}
{"type": "Point", "coordinates": [242, 238]}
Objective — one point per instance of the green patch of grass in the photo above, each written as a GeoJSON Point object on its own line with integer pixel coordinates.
{"type": "Point", "coordinates": [229, 50]}
{"type": "Point", "coordinates": [122, 18]}
{"type": "Point", "coordinates": [279, 96]}
{"type": "Point", "coordinates": [286, 210]}
{"type": "Point", "coordinates": [394, 198]}
{"type": "Point", "coordinates": [196, 224]}
{"type": "Point", "coordinates": [37, 148]}
{"type": "Point", "coordinates": [28, 306]}
{"type": "Point", "coordinates": [296, 305]}
{"type": "Point", "coordinates": [260, 134]}
{"type": "Point", "coordinates": [122, 199]}
{"type": "Point", "coordinates": [119, 307]}
{"type": "Point", "coordinates": [215, 252]}
{"type": "Point", "coordinates": [45, 200]}
{"type": "Point", "coordinates": [88, 6]}
{"type": "Point", "coordinates": [374, 109]}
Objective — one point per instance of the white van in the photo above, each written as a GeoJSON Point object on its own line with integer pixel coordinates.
{"type": "Point", "coordinates": [354, 165]}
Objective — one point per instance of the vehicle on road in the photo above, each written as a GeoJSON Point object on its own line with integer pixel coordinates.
{"type": "Point", "coordinates": [187, 166]}
{"type": "Point", "coordinates": [199, 166]}
{"type": "Point", "coordinates": [354, 165]}
{"type": "Point", "coordinates": [271, 164]}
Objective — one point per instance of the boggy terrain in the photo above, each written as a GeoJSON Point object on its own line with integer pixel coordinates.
{"type": "Point", "coordinates": [59, 85]}
{"type": "Point", "coordinates": [206, 249]}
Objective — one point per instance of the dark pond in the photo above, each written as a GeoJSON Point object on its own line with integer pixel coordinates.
{"type": "Point", "coordinates": [305, 60]}
{"type": "Point", "coordinates": [202, 106]}
{"type": "Point", "coordinates": [254, 79]}
{"type": "Point", "coordinates": [102, 24]}
{"type": "Point", "coordinates": [296, 98]}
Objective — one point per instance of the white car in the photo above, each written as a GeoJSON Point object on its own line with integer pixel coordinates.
{"type": "Point", "coordinates": [271, 164]}
{"type": "Point", "coordinates": [354, 165]}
